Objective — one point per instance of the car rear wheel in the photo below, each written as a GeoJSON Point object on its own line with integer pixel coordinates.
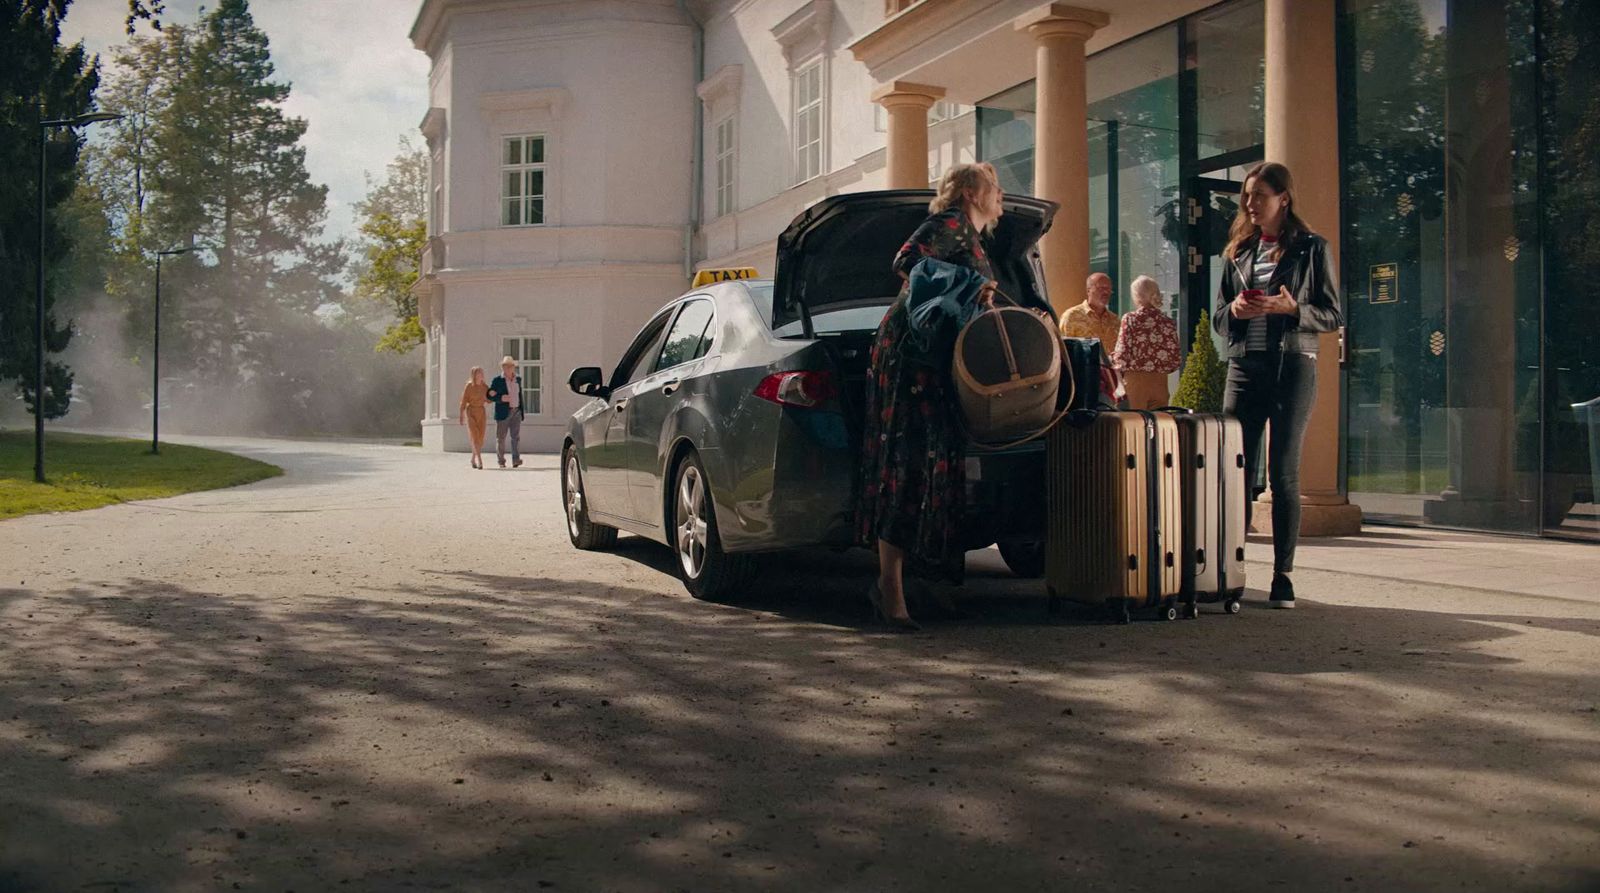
{"type": "Point", "coordinates": [585, 534]}
{"type": "Point", "coordinates": [1026, 559]}
{"type": "Point", "coordinates": [708, 572]}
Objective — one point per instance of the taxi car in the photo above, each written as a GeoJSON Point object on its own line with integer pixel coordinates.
{"type": "Point", "coordinates": [730, 425]}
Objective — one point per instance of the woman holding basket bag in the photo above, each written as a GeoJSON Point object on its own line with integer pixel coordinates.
{"type": "Point", "coordinates": [914, 449]}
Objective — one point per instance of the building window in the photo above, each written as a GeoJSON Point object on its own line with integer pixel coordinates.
{"type": "Point", "coordinates": [435, 336]}
{"type": "Point", "coordinates": [529, 356]}
{"type": "Point", "coordinates": [522, 164]}
{"type": "Point", "coordinates": [808, 121]}
{"type": "Point", "coordinates": [725, 165]}
{"type": "Point", "coordinates": [436, 195]}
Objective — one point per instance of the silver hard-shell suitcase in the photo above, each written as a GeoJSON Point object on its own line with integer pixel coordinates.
{"type": "Point", "coordinates": [1212, 480]}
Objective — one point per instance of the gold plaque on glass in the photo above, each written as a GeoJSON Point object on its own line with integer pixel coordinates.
{"type": "Point", "coordinates": [1383, 285]}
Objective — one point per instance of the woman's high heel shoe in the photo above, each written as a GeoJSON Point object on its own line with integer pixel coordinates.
{"type": "Point", "coordinates": [896, 624]}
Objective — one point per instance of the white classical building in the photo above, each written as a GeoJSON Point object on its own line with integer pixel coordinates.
{"type": "Point", "coordinates": [570, 197]}
{"type": "Point", "coordinates": [589, 155]}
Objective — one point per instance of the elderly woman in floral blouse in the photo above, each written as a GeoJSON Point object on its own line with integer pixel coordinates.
{"type": "Point", "coordinates": [1147, 347]}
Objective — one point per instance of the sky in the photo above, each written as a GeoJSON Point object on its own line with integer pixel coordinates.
{"type": "Point", "coordinates": [354, 78]}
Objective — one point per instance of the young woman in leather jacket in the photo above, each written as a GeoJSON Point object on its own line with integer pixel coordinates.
{"type": "Point", "coordinates": [1279, 291]}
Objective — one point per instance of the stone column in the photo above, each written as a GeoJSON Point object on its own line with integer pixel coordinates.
{"type": "Point", "coordinates": [907, 105]}
{"type": "Point", "coordinates": [1061, 141]}
{"type": "Point", "coordinates": [1302, 124]}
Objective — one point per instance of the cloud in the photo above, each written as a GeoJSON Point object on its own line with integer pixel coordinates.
{"type": "Point", "coordinates": [354, 77]}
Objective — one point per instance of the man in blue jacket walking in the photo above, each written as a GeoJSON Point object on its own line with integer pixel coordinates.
{"type": "Point", "coordinates": [506, 394]}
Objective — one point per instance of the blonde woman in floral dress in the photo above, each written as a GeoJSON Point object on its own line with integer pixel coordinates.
{"type": "Point", "coordinates": [913, 449]}
{"type": "Point", "coordinates": [1147, 347]}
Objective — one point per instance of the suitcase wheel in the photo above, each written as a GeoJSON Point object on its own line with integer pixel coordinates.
{"type": "Point", "coordinates": [1191, 611]}
{"type": "Point", "coordinates": [1231, 605]}
{"type": "Point", "coordinates": [1171, 613]}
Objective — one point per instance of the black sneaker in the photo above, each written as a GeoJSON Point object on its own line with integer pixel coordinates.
{"type": "Point", "coordinates": [1282, 592]}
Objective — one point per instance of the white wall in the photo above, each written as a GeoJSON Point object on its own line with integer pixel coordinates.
{"type": "Point", "coordinates": [611, 87]}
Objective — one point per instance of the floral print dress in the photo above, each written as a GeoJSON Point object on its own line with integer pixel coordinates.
{"type": "Point", "coordinates": [914, 450]}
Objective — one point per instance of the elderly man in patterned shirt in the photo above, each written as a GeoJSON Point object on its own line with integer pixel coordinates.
{"type": "Point", "coordinates": [1094, 319]}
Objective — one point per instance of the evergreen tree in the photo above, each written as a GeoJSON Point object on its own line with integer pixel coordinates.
{"type": "Point", "coordinates": [38, 77]}
{"type": "Point", "coordinates": [228, 171]}
{"type": "Point", "coordinates": [1205, 373]}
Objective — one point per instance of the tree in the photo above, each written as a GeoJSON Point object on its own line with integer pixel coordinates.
{"type": "Point", "coordinates": [38, 77]}
{"type": "Point", "coordinates": [1204, 375]}
{"type": "Point", "coordinates": [227, 170]}
{"type": "Point", "coordinates": [394, 231]}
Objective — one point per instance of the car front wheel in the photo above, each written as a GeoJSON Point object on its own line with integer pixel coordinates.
{"type": "Point", "coordinates": [708, 572]}
{"type": "Point", "coordinates": [585, 534]}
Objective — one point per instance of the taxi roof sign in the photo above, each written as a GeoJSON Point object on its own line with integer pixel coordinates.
{"type": "Point", "coordinates": [729, 274]}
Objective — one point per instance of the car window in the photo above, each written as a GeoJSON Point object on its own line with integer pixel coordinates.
{"type": "Point", "coordinates": [850, 319]}
{"type": "Point", "coordinates": [761, 296]}
{"type": "Point", "coordinates": [687, 337]}
{"type": "Point", "coordinates": [637, 361]}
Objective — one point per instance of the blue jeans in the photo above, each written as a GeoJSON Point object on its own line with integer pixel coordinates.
{"type": "Point", "coordinates": [1262, 389]}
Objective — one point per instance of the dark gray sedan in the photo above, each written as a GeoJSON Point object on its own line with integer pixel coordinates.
{"type": "Point", "coordinates": [730, 426]}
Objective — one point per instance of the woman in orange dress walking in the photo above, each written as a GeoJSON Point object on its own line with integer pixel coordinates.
{"type": "Point", "coordinates": [473, 400]}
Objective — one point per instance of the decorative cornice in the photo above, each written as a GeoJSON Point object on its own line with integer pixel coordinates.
{"type": "Point", "coordinates": [553, 98]}
{"type": "Point", "coordinates": [725, 82]}
{"type": "Point", "coordinates": [805, 28]}
{"type": "Point", "coordinates": [433, 125]}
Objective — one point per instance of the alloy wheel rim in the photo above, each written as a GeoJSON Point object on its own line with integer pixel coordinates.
{"type": "Point", "coordinates": [691, 522]}
{"type": "Point", "coordinates": [574, 497]}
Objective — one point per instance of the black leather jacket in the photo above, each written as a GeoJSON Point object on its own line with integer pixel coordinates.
{"type": "Point", "coordinates": [1306, 268]}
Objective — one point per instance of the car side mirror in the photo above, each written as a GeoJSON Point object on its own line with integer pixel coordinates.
{"type": "Point", "coordinates": [588, 381]}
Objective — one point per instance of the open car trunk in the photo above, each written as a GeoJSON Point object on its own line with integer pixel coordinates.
{"type": "Point", "coordinates": [838, 253]}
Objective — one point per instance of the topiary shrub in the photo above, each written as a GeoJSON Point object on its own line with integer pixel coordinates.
{"type": "Point", "coordinates": [1205, 373]}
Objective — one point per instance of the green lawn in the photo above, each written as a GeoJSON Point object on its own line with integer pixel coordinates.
{"type": "Point", "coordinates": [87, 472]}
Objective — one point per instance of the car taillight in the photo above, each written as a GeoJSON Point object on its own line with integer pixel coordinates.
{"type": "Point", "coordinates": [807, 389]}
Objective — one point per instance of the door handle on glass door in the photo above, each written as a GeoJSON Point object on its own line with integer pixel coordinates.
{"type": "Point", "coordinates": [670, 385]}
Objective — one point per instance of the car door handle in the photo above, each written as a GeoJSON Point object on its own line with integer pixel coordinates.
{"type": "Point", "coordinates": [620, 405]}
{"type": "Point", "coordinates": [670, 385]}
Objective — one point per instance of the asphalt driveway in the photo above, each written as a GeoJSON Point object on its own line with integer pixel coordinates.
{"type": "Point", "coordinates": [387, 671]}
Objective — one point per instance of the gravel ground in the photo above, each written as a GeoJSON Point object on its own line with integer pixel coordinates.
{"type": "Point", "coordinates": [386, 671]}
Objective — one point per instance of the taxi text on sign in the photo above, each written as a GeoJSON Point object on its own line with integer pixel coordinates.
{"type": "Point", "coordinates": [709, 277]}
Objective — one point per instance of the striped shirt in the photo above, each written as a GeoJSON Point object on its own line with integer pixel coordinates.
{"type": "Point", "coordinates": [1255, 338]}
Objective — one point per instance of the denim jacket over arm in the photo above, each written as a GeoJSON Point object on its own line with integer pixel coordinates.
{"type": "Point", "coordinates": [1306, 268]}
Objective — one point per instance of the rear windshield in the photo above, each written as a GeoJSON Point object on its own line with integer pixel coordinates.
{"type": "Point", "coordinates": [848, 319]}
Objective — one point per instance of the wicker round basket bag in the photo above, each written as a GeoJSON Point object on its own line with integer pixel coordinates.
{"type": "Point", "coordinates": [1007, 372]}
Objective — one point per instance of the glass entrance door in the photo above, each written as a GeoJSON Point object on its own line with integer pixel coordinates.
{"type": "Point", "coordinates": [1212, 203]}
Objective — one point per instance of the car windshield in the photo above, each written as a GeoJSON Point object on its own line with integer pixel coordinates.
{"type": "Point", "coordinates": [849, 319]}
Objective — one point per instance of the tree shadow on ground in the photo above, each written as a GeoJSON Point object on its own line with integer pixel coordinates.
{"type": "Point", "coordinates": [487, 732]}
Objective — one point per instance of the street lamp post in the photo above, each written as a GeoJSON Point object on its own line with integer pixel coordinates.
{"type": "Point", "coordinates": [155, 357]}
{"type": "Point", "coordinates": [45, 126]}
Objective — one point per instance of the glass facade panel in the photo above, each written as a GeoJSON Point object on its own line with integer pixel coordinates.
{"type": "Point", "coordinates": [1446, 402]}
{"type": "Point", "coordinates": [1228, 54]}
{"type": "Point", "coordinates": [1569, 91]}
{"type": "Point", "coordinates": [1133, 163]}
{"type": "Point", "coordinates": [1133, 158]}
{"type": "Point", "coordinates": [1006, 136]}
